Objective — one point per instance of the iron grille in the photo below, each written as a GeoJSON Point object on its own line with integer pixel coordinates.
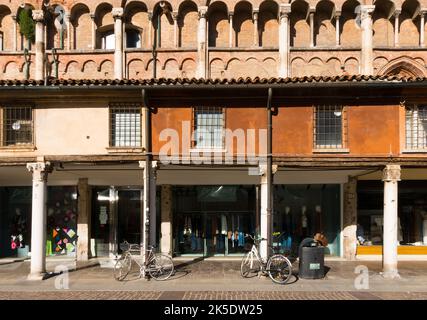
{"type": "Point", "coordinates": [330, 127]}
{"type": "Point", "coordinates": [125, 125]}
{"type": "Point", "coordinates": [208, 127]}
{"type": "Point", "coordinates": [416, 127]}
{"type": "Point", "coordinates": [17, 125]}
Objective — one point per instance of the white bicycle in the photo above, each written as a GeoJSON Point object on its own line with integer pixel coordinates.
{"type": "Point", "coordinates": [277, 266]}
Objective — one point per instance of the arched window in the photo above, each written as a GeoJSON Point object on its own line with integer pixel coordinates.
{"type": "Point", "coordinates": [133, 38]}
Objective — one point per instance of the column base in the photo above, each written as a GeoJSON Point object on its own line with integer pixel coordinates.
{"type": "Point", "coordinates": [39, 276]}
{"type": "Point", "coordinates": [391, 274]}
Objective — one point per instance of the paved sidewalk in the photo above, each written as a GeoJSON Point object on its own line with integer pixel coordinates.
{"type": "Point", "coordinates": [211, 279]}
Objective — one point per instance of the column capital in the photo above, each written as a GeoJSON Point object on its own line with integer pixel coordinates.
{"type": "Point", "coordinates": [40, 170]}
{"type": "Point", "coordinates": [423, 12]}
{"type": "Point", "coordinates": [255, 13]}
{"type": "Point", "coordinates": [391, 173]}
{"type": "Point", "coordinates": [150, 15]}
{"type": "Point", "coordinates": [175, 15]}
{"type": "Point", "coordinates": [230, 13]}
{"type": "Point", "coordinates": [117, 13]}
{"type": "Point", "coordinates": [14, 17]}
{"type": "Point", "coordinates": [203, 10]}
{"type": "Point", "coordinates": [263, 169]}
{"type": "Point", "coordinates": [285, 8]}
{"type": "Point", "coordinates": [367, 9]}
{"type": "Point", "coordinates": [397, 12]}
{"type": "Point", "coordinates": [38, 15]}
{"type": "Point", "coordinates": [337, 14]}
{"type": "Point", "coordinates": [92, 16]}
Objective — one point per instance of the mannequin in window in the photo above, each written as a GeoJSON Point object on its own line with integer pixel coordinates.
{"type": "Point", "coordinates": [287, 229]}
{"type": "Point", "coordinates": [304, 221]}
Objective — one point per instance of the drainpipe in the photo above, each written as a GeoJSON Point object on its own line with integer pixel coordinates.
{"type": "Point", "coordinates": [145, 221]}
{"type": "Point", "coordinates": [56, 62]}
{"type": "Point", "coordinates": [269, 172]}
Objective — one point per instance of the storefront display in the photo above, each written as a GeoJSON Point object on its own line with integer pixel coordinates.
{"type": "Point", "coordinates": [412, 213]}
{"type": "Point", "coordinates": [301, 211]}
{"type": "Point", "coordinates": [213, 220]}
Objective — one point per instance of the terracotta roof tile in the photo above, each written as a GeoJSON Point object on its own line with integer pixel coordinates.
{"type": "Point", "coordinates": [194, 81]}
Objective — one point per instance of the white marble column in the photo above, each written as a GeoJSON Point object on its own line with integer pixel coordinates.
{"type": "Point", "coordinates": [284, 40]}
{"type": "Point", "coordinates": [175, 29]}
{"type": "Point", "coordinates": [153, 209]}
{"type": "Point", "coordinates": [337, 28]}
{"type": "Point", "coordinates": [38, 17]}
{"type": "Point", "coordinates": [15, 33]}
{"type": "Point", "coordinates": [201, 43]}
{"type": "Point", "coordinates": [255, 15]}
{"type": "Point", "coordinates": [231, 33]}
{"type": "Point", "coordinates": [367, 53]}
{"type": "Point", "coordinates": [68, 24]}
{"type": "Point", "coordinates": [422, 24]}
{"type": "Point", "coordinates": [391, 176]}
{"type": "Point", "coordinates": [118, 34]}
{"type": "Point", "coordinates": [40, 172]}
{"type": "Point", "coordinates": [396, 28]}
{"type": "Point", "coordinates": [311, 14]}
{"type": "Point", "coordinates": [93, 32]}
{"type": "Point", "coordinates": [166, 239]}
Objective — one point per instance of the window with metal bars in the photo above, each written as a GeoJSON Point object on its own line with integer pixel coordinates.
{"type": "Point", "coordinates": [416, 127]}
{"type": "Point", "coordinates": [125, 125]}
{"type": "Point", "coordinates": [329, 127]}
{"type": "Point", "coordinates": [208, 127]}
{"type": "Point", "coordinates": [17, 124]}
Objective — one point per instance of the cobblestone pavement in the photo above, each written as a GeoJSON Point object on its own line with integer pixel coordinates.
{"type": "Point", "coordinates": [210, 279]}
{"type": "Point", "coordinates": [207, 295]}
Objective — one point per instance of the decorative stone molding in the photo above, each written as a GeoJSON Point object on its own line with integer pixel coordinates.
{"type": "Point", "coordinates": [40, 170]}
{"type": "Point", "coordinates": [366, 11]}
{"type": "Point", "coordinates": [391, 173]}
{"type": "Point", "coordinates": [117, 13]}
{"type": "Point", "coordinates": [284, 10]}
{"type": "Point", "coordinates": [203, 12]}
{"type": "Point", "coordinates": [230, 14]}
{"type": "Point", "coordinates": [38, 15]}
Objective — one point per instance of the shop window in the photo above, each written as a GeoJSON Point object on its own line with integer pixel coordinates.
{"type": "Point", "coordinates": [125, 125]}
{"type": "Point", "coordinates": [416, 128]}
{"type": "Point", "coordinates": [17, 122]}
{"type": "Point", "coordinates": [208, 127]}
{"type": "Point", "coordinates": [329, 127]}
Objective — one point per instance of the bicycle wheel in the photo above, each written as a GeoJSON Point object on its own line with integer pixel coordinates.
{"type": "Point", "coordinates": [250, 265]}
{"type": "Point", "coordinates": [279, 269]}
{"type": "Point", "coordinates": [122, 267]}
{"type": "Point", "coordinates": [161, 267]}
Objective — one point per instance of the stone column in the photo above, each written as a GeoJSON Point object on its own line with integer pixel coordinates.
{"type": "Point", "coordinates": [311, 13]}
{"type": "Point", "coordinates": [255, 14]}
{"type": "Point", "coordinates": [391, 176]}
{"type": "Point", "coordinates": [367, 39]}
{"type": "Point", "coordinates": [231, 37]}
{"type": "Point", "coordinates": [118, 34]}
{"type": "Point", "coordinates": [38, 17]}
{"type": "Point", "coordinates": [153, 207]}
{"type": "Point", "coordinates": [68, 24]}
{"type": "Point", "coordinates": [175, 29]}
{"type": "Point", "coordinates": [15, 33]}
{"type": "Point", "coordinates": [40, 171]}
{"type": "Point", "coordinates": [350, 219]}
{"type": "Point", "coordinates": [201, 43]}
{"type": "Point", "coordinates": [166, 221]}
{"type": "Point", "coordinates": [150, 30]}
{"type": "Point", "coordinates": [266, 222]}
{"type": "Point", "coordinates": [422, 23]}
{"type": "Point", "coordinates": [337, 28]}
{"type": "Point", "coordinates": [93, 31]}
{"type": "Point", "coordinates": [284, 40]}
{"type": "Point", "coordinates": [83, 220]}
{"type": "Point", "coordinates": [396, 28]}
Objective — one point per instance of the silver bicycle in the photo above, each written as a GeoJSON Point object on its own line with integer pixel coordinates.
{"type": "Point", "coordinates": [158, 266]}
{"type": "Point", "coordinates": [277, 266]}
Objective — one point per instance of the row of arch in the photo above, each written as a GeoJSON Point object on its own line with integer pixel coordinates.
{"type": "Point", "coordinates": [239, 24]}
{"type": "Point", "coordinates": [263, 67]}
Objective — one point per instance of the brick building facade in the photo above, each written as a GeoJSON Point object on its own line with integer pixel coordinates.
{"type": "Point", "coordinates": [92, 104]}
